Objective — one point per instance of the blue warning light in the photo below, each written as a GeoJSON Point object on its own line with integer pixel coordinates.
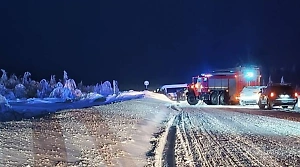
{"type": "Point", "coordinates": [249, 74]}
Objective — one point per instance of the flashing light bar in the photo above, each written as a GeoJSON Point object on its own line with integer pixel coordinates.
{"type": "Point", "coordinates": [249, 74]}
{"type": "Point", "coordinates": [206, 75]}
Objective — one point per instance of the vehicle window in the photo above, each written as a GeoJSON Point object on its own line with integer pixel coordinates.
{"type": "Point", "coordinates": [283, 89]}
{"type": "Point", "coordinates": [174, 90]}
{"type": "Point", "coordinates": [199, 80]}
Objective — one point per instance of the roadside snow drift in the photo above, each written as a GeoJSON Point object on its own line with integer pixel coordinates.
{"type": "Point", "coordinates": [19, 109]}
{"type": "Point", "coordinates": [118, 134]}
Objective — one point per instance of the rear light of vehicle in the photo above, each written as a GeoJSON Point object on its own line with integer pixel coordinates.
{"type": "Point", "coordinates": [192, 86]}
{"type": "Point", "coordinates": [296, 94]}
{"type": "Point", "coordinates": [272, 94]}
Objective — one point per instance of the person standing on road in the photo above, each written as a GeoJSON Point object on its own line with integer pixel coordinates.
{"type": "Point", "coordinates": [178, 94]}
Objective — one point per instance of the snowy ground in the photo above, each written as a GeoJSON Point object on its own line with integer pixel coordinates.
{"type": "Point", "coordinates": [109, 135]}
{"type": "Point", "coordinates": [153, 131]}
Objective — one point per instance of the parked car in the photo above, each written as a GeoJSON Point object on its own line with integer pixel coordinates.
{"type": "Point", "coordinates": [250, 95]}
{"type": "Point", "coordinates": [283, 95]}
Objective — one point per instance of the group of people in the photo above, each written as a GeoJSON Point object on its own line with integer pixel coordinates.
{"type": "Point", "coordinates": [179, 95]}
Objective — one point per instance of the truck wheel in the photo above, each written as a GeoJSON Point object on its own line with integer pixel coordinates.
{"type": "Point", "coordinates": [214, 98]}
{"type": "Point", "coordinates": [208, 102]}
{"type": "Point", "coordinates": [222, 99]}
{"type": "Point", "coordinates": [192, 100]}
{"type": "Point", "coordinates": [269, 105]}
{"type": "Point", "coordinates": [261, 106]}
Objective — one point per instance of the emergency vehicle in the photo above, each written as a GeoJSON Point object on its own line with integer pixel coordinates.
{"type": "Point", "coordinates": [221, 87]}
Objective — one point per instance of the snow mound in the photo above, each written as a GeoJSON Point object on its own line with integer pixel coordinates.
{"type": "Point", "coordinates": [126, 95]}
{"type": "Point", "coordinates": [157, 96]}
{"type": "Point", "coordinates": [93, 97]}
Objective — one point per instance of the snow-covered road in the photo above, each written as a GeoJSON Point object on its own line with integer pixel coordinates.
{"type": "Point", "coordinates": [217, 137]}
{"type": "Point", "coordinates": [153, 131]}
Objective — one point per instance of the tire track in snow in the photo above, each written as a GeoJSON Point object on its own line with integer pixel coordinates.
{"type": "Point", "coordinates": [194, 148]}
{"type": "Point", "coordinates": [250, 151]}
{"type": "Point", "coordinates": [190, 151]}
{"type": "Point", "coordinates": [275, 143]}
{"type": "Point", "coordinates": [161, 149]}
{"type": "Point", "coordinates": [228, 148]}
{"type": "Point", "coordinates": [211, 148]}
{"type": "Point", "coordinates": [170, 152]}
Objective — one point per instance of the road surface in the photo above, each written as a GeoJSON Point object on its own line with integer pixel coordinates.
{"type": "Point", "coordinates": [201, 136]}
{"type": "Point", "coordinates": [153, 132]}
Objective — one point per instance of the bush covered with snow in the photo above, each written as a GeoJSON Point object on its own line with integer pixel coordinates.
{"type": "Point", "coordinates": [24, 87]}
{"type": "Point", "coordinates": [4, 106]}
{"type": "Point", "coordinates": [20, 91]}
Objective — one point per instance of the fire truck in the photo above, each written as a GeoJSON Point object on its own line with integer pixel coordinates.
{"type": "Point", "coordinates": [222, 87]}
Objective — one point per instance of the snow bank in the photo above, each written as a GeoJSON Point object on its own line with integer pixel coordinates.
{"type": "Point", "coordinates": [34, 107]}
{"type": "Point", "coordinates": [157, 96]}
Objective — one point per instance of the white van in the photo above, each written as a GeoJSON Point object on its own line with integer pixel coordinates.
{"type": "Point", "coordinates": [170, 91]}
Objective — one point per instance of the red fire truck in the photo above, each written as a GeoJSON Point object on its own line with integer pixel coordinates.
{"type": "Point", "coordinates": [222, 87]}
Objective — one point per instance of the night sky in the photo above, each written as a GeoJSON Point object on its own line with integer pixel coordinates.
{"type": "Point", "coordinates": [163, 41]}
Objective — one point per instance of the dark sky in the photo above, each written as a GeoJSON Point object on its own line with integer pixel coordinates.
{"type": "Point", "coordinates": [163, 41]}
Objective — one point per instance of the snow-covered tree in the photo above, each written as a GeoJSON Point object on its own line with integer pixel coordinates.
{"type": "Point", "coordinates": [52, 81]}
{"type": "Point", "coordinates": [65, 77]}
{"type": "Point", "coordinates": [98, 88]}
{"type": "Point", "coordinates": [70, 84]}
{"type": "Point", "coordinates": [44, 89]}
{"type": "Point", "coordinates": [32, 89]}
{"type": "Point", "coordinates": [4, 77]}
{"type": "Point", "coordinates": [59, 85]}
{"type": "Point", "coordinates": [26, 78]}
{"type": "Point", "coordinates": [63, 93]}
{"type": "Point", "coordinates": [77, 93]}
{"type": "Point", "coordinates": [106, 89]}
{"type": "Point", "coordinates": [115, 87]}
{"type": "Point", "coordinates": [20, 91]}
{"type": "Point", "coordinates": [23, 87]}
{"type": "Point", "coordinates": [12, 82]}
